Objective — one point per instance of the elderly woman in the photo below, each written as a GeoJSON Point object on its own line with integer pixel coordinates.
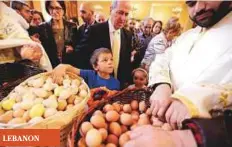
{"type": "Point", "coordinates": [162, 41]}
{"type": "Point", "coordinates": [56, 35]}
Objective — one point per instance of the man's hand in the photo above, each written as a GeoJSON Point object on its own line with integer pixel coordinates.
{"type": "Point", "coordinates": [160, 100]}
{"type": "Point", "coordinates": [176, 113]}
{"type": "Point", "coordinates": [31, 52]}
{"type": "Point", "coordinates": [69, 49]}
{"type": "Point", "coordinates": [148, 136]}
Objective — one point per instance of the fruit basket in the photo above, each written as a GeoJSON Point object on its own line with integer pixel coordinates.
{"type": "Point", "coordinates": [39, 103]}
{"type": "Point", "coordinates": [114, 113]}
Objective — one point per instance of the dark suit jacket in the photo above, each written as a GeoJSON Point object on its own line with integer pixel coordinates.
{"type": "Point", "coordinates": [98, 36]}
{"type": "Point", "coordinates": [81, 31]}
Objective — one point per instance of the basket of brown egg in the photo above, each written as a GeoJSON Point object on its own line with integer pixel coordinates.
{"type": "Point", "coordinates": [109, 124]}
{"type": "Point", "coordinates": [40, 103]}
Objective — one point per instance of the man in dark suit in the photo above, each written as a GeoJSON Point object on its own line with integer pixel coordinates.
{"type": "Point", "coordinates": [113, 36]}
{"type": "Point", "coordinates": [87, 15]}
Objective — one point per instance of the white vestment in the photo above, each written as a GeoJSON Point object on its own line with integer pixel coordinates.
{"type": "Point", "coordinates": [199, 60]}
{"type": "Point", "coordinates": [13, 34]}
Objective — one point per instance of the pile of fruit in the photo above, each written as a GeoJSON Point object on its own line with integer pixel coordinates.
{"type": "Point", "coordinates": [39, 98]}
{"type": "Point", "coordinates": [110, 126]}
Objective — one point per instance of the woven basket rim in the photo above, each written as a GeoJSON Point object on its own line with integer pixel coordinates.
{"type": "Point", "coordinates": [38, 76]}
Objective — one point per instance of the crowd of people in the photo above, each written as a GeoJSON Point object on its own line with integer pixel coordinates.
{"type": "Point", "coordinates": [190, 72]}
{"type": "Point", "coordinates": [67, 42]}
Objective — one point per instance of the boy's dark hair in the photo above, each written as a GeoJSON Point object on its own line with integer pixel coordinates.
{"type": "Point", "coordinates": [18, 5]}
{"type": "Point", "coordinates": [62, 4]}
{"type": "Point", "coordinates": [96, 53]}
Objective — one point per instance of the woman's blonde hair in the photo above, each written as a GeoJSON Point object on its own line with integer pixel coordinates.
{"type": "Point", "coordinates": [172, 24]}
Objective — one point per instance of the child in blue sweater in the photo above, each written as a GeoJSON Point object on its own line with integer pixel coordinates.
{"type": "Point", "coordinates": [102, 62]}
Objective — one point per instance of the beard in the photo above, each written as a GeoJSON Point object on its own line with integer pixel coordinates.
{"type": "Point", "coordinates": [214, 16]}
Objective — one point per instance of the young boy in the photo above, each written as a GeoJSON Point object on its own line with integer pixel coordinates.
{"type": "Point", "coordinates": [102, 62]}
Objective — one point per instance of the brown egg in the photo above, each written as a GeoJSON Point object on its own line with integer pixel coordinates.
{"type": "Point", "coordinates": [124, 128]}
{"type": "Point", "coordinates": [26, 116]}
{"type": "Point", "coordinates": [143, 121]}
{"type": "Point", "coordinates": [112, 116]}
{"type": "Point", "coordinates": [6, 117]}
{"type": "Point", "coordinates": [18, 113]}
{"type": "Point", "coordinates": [93, 138]}
{"type": "Point", "coordinates": [98, 112]}
{"type": "Point", "coordinates": [18, 120]}
{"type": "Point", "coordinates": [108, 107]}
{"type": "Point", "coordinates": [110, 145]}
{"type": "Point", "coordinates": [167, 127]}
{"type": "Point", "coordinates": [121, 112]}
{"type": "Point", "coordinates": [142, 106]}
{"type": "Point", "coordinates": [115, 129]}
{"type": "Point", "coordinates": [149, 111]}
{"type": "Point", "coordinates": [82, 143]}
{"type": "Point", "coordinates": [71, 99]}
{"type": "Point", "coordinates": [85, 127]}
{"type": "Point", "coordinates": [127, 108]}
{"type": "Point", "coordinates": [123, 139]}
{"type": "Point", "coordinates": [128, 133]}
{"type": "Point", "coordinates": [69, 106]}
{"type": "Point", "coordinates": [62, 104]}
{"type": "Point", "coordinates": [104, 133]}
{"type": "Point", "coordinates": [126, 119]}
{"type": "Point", "coordinates": [133, 126]}
{"type": "Point", "coordinates": [117, 107]}
{"type": "Point", "coordinates": [134, 121]}
{"type": "Point", "coordinates": [134, 105]}
{"type": "Point", "coordinates": [106, 126]}
{"type": "Point", "coordinates": [135, 115]}
{"type": "Point", "coordinates": [2, 111]}
{"type": "Point", "coordinates": [102, 145]}
{"type": "Point", "coordinates": [112, 139]}
{"type": "Point", "coordinates": [135, 112]}
{"type": "Point", "coordinates": [98, 121]}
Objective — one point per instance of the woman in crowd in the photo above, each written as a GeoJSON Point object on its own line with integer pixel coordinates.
{"type": "Point", "coordinates": [157, 28]}
{"type": "Point", "coordinates": [37, 18]}
{"type": "Point", "coordinates": [162, 41]}
{"type": "Point", "coordinates": [57, 35]}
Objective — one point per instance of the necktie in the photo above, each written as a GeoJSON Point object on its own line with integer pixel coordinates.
{"type": "Point", "coordinates": [116, 51]}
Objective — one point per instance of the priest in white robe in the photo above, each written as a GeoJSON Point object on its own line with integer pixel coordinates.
{"type": "Point", "coordinates": [195, 73]}
{"type": "Point", "coordinates": [14, 39]}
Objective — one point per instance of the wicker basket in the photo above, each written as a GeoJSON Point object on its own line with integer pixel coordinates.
{"type": "Point", "coordinates": [63, 121]}
{"type": "Point", "coordinates": [123, 97]}
{"type": "Point", "coordinates": [12, 74]}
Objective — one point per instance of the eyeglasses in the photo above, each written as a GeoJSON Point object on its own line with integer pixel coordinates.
{"type": "Point", "coordinates": [54, 8]}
